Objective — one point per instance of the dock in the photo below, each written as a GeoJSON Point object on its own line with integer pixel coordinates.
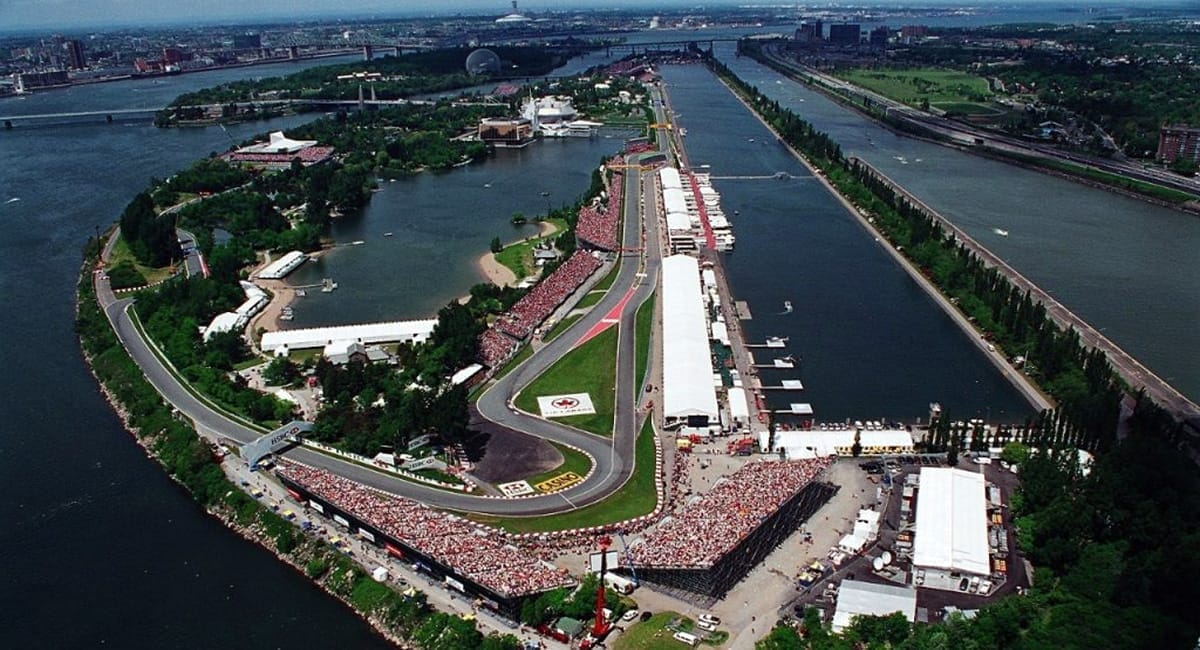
{"type": "Point", "coordinates": [802, 408]}
{"type": "Point", "coordinates": [786, 384]}
{"type": "Point", "coordinates": [743, 310]}
{"type": "Point", "coordinates": [774, 342]}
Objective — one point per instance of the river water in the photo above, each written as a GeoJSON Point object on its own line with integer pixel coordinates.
{"type": "Point", "coordinates": [1125, 266]}
{"type": "Point", "coordinates": [872, 344]}
{"type": "Point", "coordinates": [100, 548]}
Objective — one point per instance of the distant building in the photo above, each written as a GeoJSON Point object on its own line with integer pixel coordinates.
{"type": "Point", "coordinates": [845, 34]}
{"type": "Point", "coordinates": [909, 33]}
{"type": "Point", "coordinates": [174, 55]}
{"type": "Point", "coordinates": [1179, 141]}
{"type": "Point", "coordinates": [75, 58]}
{"type": "Point", "coordinates": [506, 132]}
{"type": "Point", "coordinates": [879, 37]}
{"type": "Point", "coordinates": [279, 151]}
{"type": "Point", "coordinates": [809, 32]}
{"type": "Point", "coordinates": [247, 41]}
{"type": "Point", "coordinates": [25, 81]}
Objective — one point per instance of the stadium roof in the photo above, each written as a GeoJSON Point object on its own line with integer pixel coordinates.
{"type": "Point", "coordinates": [857, 598]}
{"type": "Point", "coordinates": [687, 360]}
{"type": "Point", "coordinates": [278, 143]}
{"type": "Point", "coordinates": [952, 521]}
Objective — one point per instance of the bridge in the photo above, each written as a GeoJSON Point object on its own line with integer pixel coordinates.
{"type": "Point", "coordinates": [659, 46]}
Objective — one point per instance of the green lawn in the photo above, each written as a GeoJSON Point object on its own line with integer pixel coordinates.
{"type": "Point", "coordinates": [121, 253]}
{"type": "Point", "coordinates": [561, 326]}
{"type": "Point", "coordinates": [654, 633]}
{"type": "Point", "coordinates": [969, 108]}
{"type": "Point", "coordinates": [518, 256]}
{"type": "Point", "coordinates": [644, 323]}
{"type": "Point", "coordinates": [935, 85]}
{"type": "Point", "coordinates": [573, 461]}
{"type": "Point", "coordinates": [591, 368]}
{"type": "Point", "coordinates": [590, 299]}
{"type": "Point", "coordinates": [636, 498]}
{"type": "Point", "coordinates": [607, 280]}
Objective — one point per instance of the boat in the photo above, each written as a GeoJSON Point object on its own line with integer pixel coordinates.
{"type": "Point", "coordinates": [545, 194]}
{"type": "Point", "coordinates": [777, 341]}
{"type": "Point", "coordinates": [328, 285]}
{"type": "Point", "coordinates": [787, 306]}
{"type": "Point", "coordinates": [1000, 231]}
{"type": "Point", "coordinates": [387, 234]}
{"type": "Point", "coordinates": [301, 293]}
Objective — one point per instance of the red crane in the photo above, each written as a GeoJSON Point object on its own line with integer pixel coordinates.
{"type": "Point", "coordinates": [601, 626]}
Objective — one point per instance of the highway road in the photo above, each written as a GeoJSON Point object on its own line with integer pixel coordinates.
{"type": "Point", "coordinates": [613, 457]}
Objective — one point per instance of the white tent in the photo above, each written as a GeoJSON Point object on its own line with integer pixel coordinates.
{"type": "Point", "coordinates": [951, 521]}
{"type": "Point", "coordinates": [687, 360]}
{"type": "Point", "coordinates": [857, 598]}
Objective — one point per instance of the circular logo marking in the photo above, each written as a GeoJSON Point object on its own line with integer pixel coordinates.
{"type": "Point", "coordinates": [565, 403]}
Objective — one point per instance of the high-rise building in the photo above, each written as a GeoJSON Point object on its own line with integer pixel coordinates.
{"type": "Point", "coordinates": [75, 58]}
{"type": "Point", "coordinates": [173, 55]}
{"type": "Point", "coordinates": [879, 37]}
{"type": "Point", "coordinates": [809, 32]}
{"type": "Point", "coordinates": [247, 41]}
{"type": "Point", "coordinates": [1179, 141]}
{"type": "Point", "coordinates": [845, 34]}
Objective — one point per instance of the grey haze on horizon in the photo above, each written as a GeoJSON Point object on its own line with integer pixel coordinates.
{"type": "Point", "coordinates": [25, 15]}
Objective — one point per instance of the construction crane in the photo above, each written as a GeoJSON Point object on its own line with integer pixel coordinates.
{"type": "Point", "coordinates": [628, 558]}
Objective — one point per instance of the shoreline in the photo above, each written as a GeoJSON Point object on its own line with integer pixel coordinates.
{"type": "Point", "coordinates": [496, 273]}
{"type": "Point", "coordinates": [1030, 391]}
{"type": "Point", "coordinates": [306, 546]}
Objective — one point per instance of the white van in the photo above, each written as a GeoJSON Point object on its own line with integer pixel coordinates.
{"type": "Point", "coordinates": [690, 639]}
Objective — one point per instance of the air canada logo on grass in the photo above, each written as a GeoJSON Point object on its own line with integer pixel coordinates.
{"type": "Point", "coordinates": [557, 406]}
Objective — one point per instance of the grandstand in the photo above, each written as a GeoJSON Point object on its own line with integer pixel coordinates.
{"type": "Point", "coordinates": [466, 557]}
{"type": "Point", "coordinates": [688, 395]}
{"type": "Point", "coordinates": [716, 540]}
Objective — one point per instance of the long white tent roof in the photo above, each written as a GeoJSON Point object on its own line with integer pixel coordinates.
{"type": "Point", "coordinates": [816, 443]}
{"type": "Point", "coordinates": [669, 177]}
{"type": "Point", "coordinates": [674, 201]}
{"type": "Point", "coordinates": [857, 598]}
{"type": "Point", "coordinates": [416, 331]}
{"type": "Point", "coordinates": [952, 521]}
{"type": "Point", "coordinates": [687, 360]}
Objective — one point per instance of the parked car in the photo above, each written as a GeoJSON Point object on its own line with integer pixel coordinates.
{"type": "Point", "coordinates": [630, 615]}
{"type": "Point", "coordinates": [709, 618]}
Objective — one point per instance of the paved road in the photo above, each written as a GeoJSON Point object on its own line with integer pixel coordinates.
{"type": "Point", "coordinates": [614, 457]}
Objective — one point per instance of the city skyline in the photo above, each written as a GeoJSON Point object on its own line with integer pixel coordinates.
{"type": "Point", "coordinates": [27, 15]}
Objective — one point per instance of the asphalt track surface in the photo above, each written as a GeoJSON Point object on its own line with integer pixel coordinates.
{"type": "Point", "coordinates": [613, 457]}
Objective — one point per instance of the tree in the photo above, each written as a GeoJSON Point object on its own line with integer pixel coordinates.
{"type": "Point", "coordinates": [856, 448]}
{"type": "Point", "coordinates": [280, 372]}
{"type": "Point", "coordinates": [496, 246]}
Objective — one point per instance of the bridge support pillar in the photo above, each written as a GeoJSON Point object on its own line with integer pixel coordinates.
{"type": "Point", "coordinates": [368, 52]}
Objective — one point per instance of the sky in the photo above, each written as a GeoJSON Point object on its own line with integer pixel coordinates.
{"type": "Point", "coordinates": [68, 14]}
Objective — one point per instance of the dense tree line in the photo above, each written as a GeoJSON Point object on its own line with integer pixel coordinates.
{"type": "Point", "coordinates": [400, 76]}
{"type": "Point", "coordinates": [1082, 380]}
{"type": "Point", "coordinates": [578, 603]}
{"type": "Point", "coordinates": [1115, 547]}
{"type": "Point", "coordinates": [151, 238]}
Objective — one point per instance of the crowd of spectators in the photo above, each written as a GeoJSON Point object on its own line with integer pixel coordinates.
{"type": "Point", "coordinates": [708, 528]}
{"type": "Point", "coordinates": [536, 306]}
{"type": "Point", "coordinates": [495, 348]}
{"type": "Point", "coordinates": [597, 224]}
{"type": "Point", "coordinates": [473, 553]}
